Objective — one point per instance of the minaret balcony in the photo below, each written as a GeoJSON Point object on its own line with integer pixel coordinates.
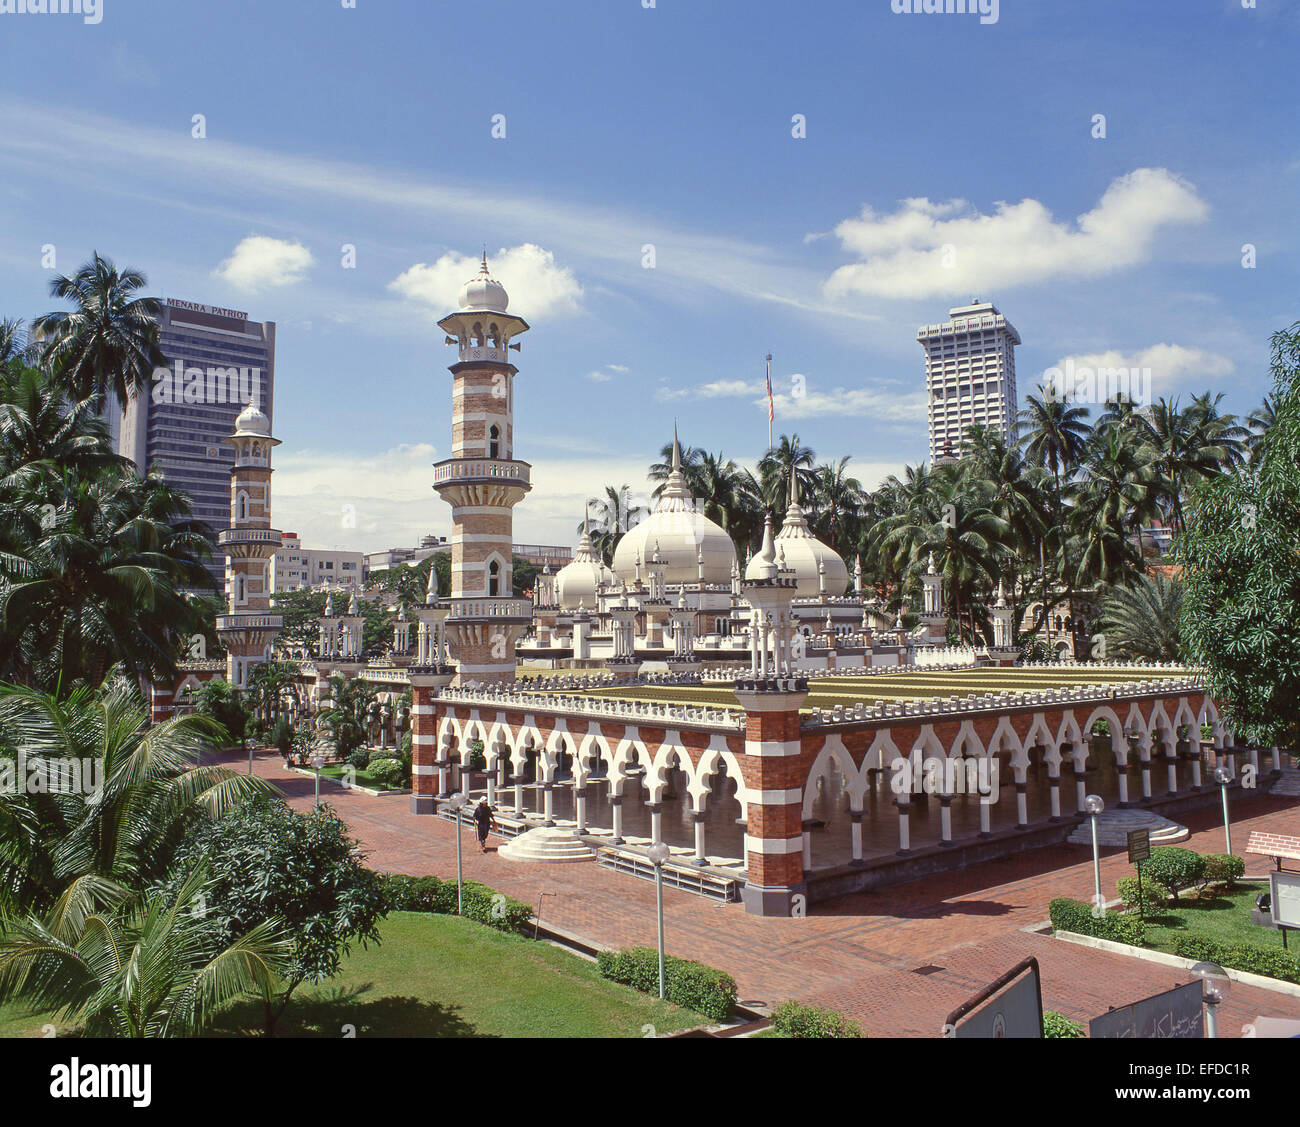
{"type": "Point", "coordinates": [492, 609]}
{"type": "Point", "coordinates": [249, 536]}
{"type": "Point", "coordinates": [482, 470]}
{"type": "Point", "coordinates": [249, 621]}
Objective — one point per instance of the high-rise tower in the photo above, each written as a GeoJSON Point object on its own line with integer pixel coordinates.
{"type": "Point", "coordinates": [482, 482]}
{"type": "Point", "coordinates": [970, 376]}
{"type": "Point", "coordinates": [249, 628]}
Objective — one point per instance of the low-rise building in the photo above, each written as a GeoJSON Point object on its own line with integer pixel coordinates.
{"type": "Point", "coordinates": [294, 568]}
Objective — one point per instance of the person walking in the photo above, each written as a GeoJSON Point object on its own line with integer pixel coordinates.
{"type": "Point", "coordinates": [484, 820]}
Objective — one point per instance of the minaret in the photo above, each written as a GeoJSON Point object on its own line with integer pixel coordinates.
{"type": "Point", "coordinates": [249, 628]}
{"type": "Point", "coordinates": [482, 483]}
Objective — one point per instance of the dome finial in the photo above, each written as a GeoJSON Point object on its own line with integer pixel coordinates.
{"type": "Point", "coordinates": [677, 449]}
{"type": "Point", "coordinates": [484, 269]}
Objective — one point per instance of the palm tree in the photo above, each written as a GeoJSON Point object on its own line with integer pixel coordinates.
{"type": "Point", "coordinates": [1141, 622]}
{"type": "Point", "coordinates": [614, 514]}
{"type": "Point", "coordinates": [836, 501]}
{"type": "Point", "coordinates": [1260, 421]}
{"type": "Point", "coordinates": [15, 345]}
{"type": "Point", "coordinates": [1054, 436]}
{"type": "Point", "coordinates": [1112, 503]}
{"type": "Point", "coordinates": [789, 456]}
{"type": "Point", "coordinates": [95, 576]}
{"type": "Point", "coordinates": [109, 340]}
{"type": "Point", "coordinates": [119, 965]}
{"type": "Point", "coordinates": [140, 792]}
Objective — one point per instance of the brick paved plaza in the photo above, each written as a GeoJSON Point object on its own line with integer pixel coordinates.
{"type": "Point", "coordinates": [858, 954]}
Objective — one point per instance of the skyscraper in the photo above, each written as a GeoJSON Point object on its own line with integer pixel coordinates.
{"type": "Point", "coordinates": [970, 376]}
{"type": "Point", "coordinates": [218, 361]}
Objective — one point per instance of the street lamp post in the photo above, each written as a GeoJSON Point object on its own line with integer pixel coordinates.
{"type": "Point", "coordinates": [250, 757]}
{"type": "Point", "coordinates": [457, 803]}
{"type": "Point", "coordinates": [1223, 777]}
{"type": "Point", "coordinates": [1215, 987]}
{"type": "Point", "coordinates": [317, 762]}
{"type": "Point", "coordinates": [1094, 805]}
{"type": "Point", "coordinates": [658, 854]}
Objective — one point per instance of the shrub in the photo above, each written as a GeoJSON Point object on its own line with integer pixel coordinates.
{"type": "Point", "coordinates": [1153, 894]}
{"type": "Point", "coordinates": [1197, 947]}
{"type": "Point", "coordinates": [693, 985]}
{"type": "Point", "coordinates": [1058, 1025]}
{"type": "Point", "coordinates": [1076, 916]}
{"type": "Point", "coordinates": [282, 735]}
{"type": "Point", "coordinates": [1175, 868]}
{"type": "Point", "coordinates": [1223, 868]}
{"type": "Point", "coordinates": [430, 894]}
{"type": "Point", "coordinates": [387, 772]}
{"type": "Point", "coordinates": [793, 1019]}
{"type": "Point", "coordinates": [1272, 962]}
{"type": "Point", "coordinates": [360, 759]}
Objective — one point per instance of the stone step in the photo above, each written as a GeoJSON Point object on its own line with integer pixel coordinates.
{"type": "Point", "coordinates": [1113, 827]}
{"type": "Point", "coordinates": [552, 844]}
{"type": "Point", "coordinates": [1288, 784]}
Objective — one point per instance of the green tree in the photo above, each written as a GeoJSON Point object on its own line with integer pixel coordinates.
{"type": "Point", "coordinates": [121, 966]}
{"type": "Point", "coordinates": [267, 865]}
{"type": "Point", "coordinates": [1240, 554]}
{"type": "Point", "coordinates": [139, 793]}
{"type": "Point", "coordinates": [1141, 622]}
{"type": "Point", "coordinates": [108, 342]}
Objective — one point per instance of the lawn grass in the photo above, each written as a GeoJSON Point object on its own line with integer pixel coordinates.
{"type": "Point", "coordinates": [361, 777]}
{"type": "Point", "coordinates": [440, 976]}
{"type": "Point", "coordinates": [1223, 917]}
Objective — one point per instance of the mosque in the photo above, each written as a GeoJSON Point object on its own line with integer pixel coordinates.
{"type": "Point", "coordinates": [762, 718]}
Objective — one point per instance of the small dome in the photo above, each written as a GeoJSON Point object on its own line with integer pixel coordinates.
{"type": "Point", "coordinates": [577, 583]}
{"type": "Point", "coordinates": [252, 420]}
{"type": "Point", "coordinates": [807, 556]}
{"type": "Point", "coordinates": [484, 292]}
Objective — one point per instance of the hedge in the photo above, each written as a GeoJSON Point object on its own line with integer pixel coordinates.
{"type": "Point", "coordinates": [1271, 962]}
{"type": "Point", "coordinates": [793, 1019]}
{"type": "Point", "coordinates": [485, 905]}
{"type": "Point", "coordinates": [703, 989]}
{"type": "Point", "coordinates": [1076, 916]}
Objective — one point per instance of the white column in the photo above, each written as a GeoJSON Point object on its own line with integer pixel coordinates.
{"type": "Point", "coordinates": [580, 805]}
{"type": "Point", "coordinates": [616, 809]}
{"type": "Point", "coordinates": [699, 818]}
{"type": "Point", "coordinates": [855, 831]}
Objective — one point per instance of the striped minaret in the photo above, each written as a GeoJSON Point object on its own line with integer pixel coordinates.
{"type": "Point", "coordinates": [482, 482]}
{"type": "Point", "coordinates": [249, 629]}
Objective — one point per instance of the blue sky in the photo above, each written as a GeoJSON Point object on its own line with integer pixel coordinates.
{"type": "Point", "coordinates": [671, 126]}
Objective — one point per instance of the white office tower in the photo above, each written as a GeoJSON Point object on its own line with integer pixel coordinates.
{"type": "Point", "coordinates": [970, 376]}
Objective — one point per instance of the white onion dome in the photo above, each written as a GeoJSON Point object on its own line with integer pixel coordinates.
{"type": "Point", "coordinates": [484, 292]}
{"type": "Point", "coordinates": [691, 547]}
{"type": "Point", "coordinates": [806, 556]}
{"type": "Point", "coordinates": [252, 420]}
{"type": "Point", "coordinates": [577, 582]}
{"type": "Point", "coordinates": [353, 609]}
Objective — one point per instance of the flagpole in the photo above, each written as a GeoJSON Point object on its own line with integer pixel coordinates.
{"type": "Point", "coordinates": [770, 409]}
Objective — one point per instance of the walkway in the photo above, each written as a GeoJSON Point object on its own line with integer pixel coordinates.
{"type": "Point", "coordinates": [860, 954]}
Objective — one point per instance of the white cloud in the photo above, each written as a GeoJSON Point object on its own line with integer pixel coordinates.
{"type": "Point", "coordinates": [599, 377]}
{"type": "Point", "coordinates": [370, 503]}
{"type": "Point", "coordinates": [927, 249]}
{"type": "Point", "coordinates": [1159, 369]}
{"type": "Point", "coordinates": [813, 402]}
{"type": "Point", "coordinates": [538, 287]}
{"type": "Point", "coordinates": [260, 262]}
